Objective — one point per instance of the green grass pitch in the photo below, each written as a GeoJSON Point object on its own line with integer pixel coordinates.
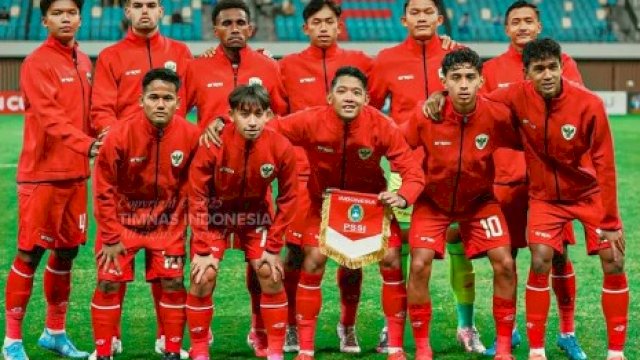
{"type": "Point", "coordinates": [231, 320]}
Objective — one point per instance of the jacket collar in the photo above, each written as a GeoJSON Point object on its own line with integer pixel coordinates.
{"type": "Point", "coordinates": [513, 53]}
{"type": "Point", "coordinates": [141, 40]}
{"type": "Point", "coordinates": [237, 141]}
{"type": "Point", "coordinates": [431, 46]}
{"type": "Point", "coordinates": [151, 130]}
{"type": "Point", "coordinates": [220, 54]}
{"type": "Point", "coordinates": [60, 47]}
{"type": "Point", "coordinates": [452, 115]}
{"type": "Point", "coordinates": [319, 53]}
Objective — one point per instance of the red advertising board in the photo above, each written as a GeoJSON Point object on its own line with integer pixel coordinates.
{"type": "Point", "coordinates": [11, 102]}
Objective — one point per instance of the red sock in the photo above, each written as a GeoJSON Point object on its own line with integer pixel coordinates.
{"type": "Point", "coordinates": [563, 281]}
{"type": "Point", "coordinates": [291, 279]}
{"type": "Point", "coordinates": [199, 315]}
{"type": "Point", "coordinates": [615, 305]}
{"type": "Point", "coordinates": [308, 304]}
{"type": "Point", "coordinates": [420, 316]}
{"type": "Point", "coordinates": [172, 316]}
{"type": "Point", "coordinates": [121, 293]}
{"type": "Point", "coordinates": [394, 305]}
{"type": "Point", "coordinates": [17, 294]}
{"type": "Point", "coordinates": [104, 316]}
{"type": "Point", "coordinates": [156, 292]}
{"type": "Point", "coordinates": [350, 284]}
{"type": "Point", "coordinates": [57, 287]}
{"type": "Point", "coordinates": [504, 312]}
{"type": "Point", "coordinates": [537, 308]}
{"type": "Point", "coordinates": [253, 286]}
{"type": "Point", "coordinates": [274, 312]}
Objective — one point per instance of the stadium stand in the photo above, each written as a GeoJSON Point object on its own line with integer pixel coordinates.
{"type": "Point", "coordinates": [364, 20]}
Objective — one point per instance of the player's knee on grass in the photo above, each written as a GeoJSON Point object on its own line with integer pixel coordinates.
{"type": "Point", "coordinates": [172, 284]}
{"type": "Point", "coordinates": [541, 258]}
{"type": "Point", "coordinates": [611, 266]}
{"type": "Point", "coordinates": [32, 257]}
{"type": "Point", "coordinates": [504, 266]}
{"type": "Point", "coordinates": [267, 282]}
{"type": "Point", "coordinates": [392, 259]}
{"type": "Point", "coordinates": [108, 287]}
{"type": "Point", "coordinates": [66, 254]}
{"type": "Point", "coordinates": [421, 266]}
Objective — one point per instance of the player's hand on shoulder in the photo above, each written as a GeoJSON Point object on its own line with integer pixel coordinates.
{"type": "Point", "coordinates": [209, 53]}
{"type": "Point", "coordinates": [432, 107]}
{"type": "Point", "coordinates": [448, 43]}
{"type": "Point", "coordinates": [391, 199]}
{"type": "Point", "coordinates": [211, 135]}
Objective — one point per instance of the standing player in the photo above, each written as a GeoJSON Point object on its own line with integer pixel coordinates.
{"type": "Point", "coordinates": [408, 73]}
{"type": "Point", "coordinates": [570, 161]}
{"type": "Point", "coordinates": [307, 77]}
{"type": "Point", "coordinates": [117, 88]}
{"type": "Point", "coordinates": [338, 134]}
{"type": "Point", "coordinates": [210, 80]}
{"type": "Point", "coordinates": [522, 25]}
{"type": "Point", "coordinates": [140, 186]}
{"type": "Point", "coordinates": [234, 182]}
{"type": "Point", "coordinates": [460, 148]}
{"type": "Point", "coordinates": [52, 174]}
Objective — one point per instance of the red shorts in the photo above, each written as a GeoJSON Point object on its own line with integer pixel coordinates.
{"type": "Point", "coordinates": [481, 230]}
{"type": "Point", "coordinates": [52, 215]}
{"type": "Point", "coordinates": [548, 222]}
{"type": "Point", "coordinates": [156, 267]}
{"type": "Point", "coordinates": [252, 241]}
{"type": "Point", "coordinates": [312, 230]}
{"type": "Point", "coordinates": [293, 234]}
{"type": "Point", "coordinates": [514, 201]}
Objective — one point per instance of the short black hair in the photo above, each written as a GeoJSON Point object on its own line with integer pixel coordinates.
{"type": "Point", "coordinates": [46, 4]}
{"type": "Point", "coordinates": [459, 57]}
{"type": "Point", "coordinates": [519, 4]}
{"type": "Point", "coordinates": [230, 4]}
{"type": "Point", "coordinates": [541, 49]}
{"type": "Point", "coordinates": [163, 74]}
{"type": "Point", "coordinates": [437, 3]}
{"type": "Point", "coordinates": [316, 5]}
{"type": "Point", "coordinates": [252, 95]}
{"type": "Point", "coordinates": [349, 71]}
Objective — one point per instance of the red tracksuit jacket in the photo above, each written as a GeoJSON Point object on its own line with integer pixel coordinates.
{"type": "Point", "coordinates": [140, 181]}
{"type": "Point", "coordinates": [209, 81]}
{"type": "Point", "coordinates": [347, 155]}
{"type": "Point", "coordinates": [119, 72]}
{"type": "Point", "coordinates": [500, 72]}
{"type": "Point", "coordinates": [409, 72]}
{"type": "Point", "coordinates": [55, 85]}
{"type": "Point", "coordinates": [236, 179]}
{"type": "Point", "coordinates": [307, 77]}
{"type": "Point", "coordinates": [567, 144]}
{"type": "Point", "coordinates": [458, 162]}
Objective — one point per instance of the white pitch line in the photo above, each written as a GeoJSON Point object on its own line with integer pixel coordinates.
{"type": "Point", "coordinates": [8, 166]}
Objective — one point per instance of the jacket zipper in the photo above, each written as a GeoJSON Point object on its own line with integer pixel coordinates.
{"type": "Point", "coordinates": [84, 122]}
{"type": "Point", "coordinates": [149, 54]}
{"type": "Point", "coordinates": [343, 171]}
{"type": "Point", "coordinates": [457, 181]}
{"type": "Point", "coordinates": [424, 67]}
{"type": "Point", "coordinates": [159, 135]}
{"type": "Point", "coordinates": [324, 67]}
{"type": "Point", "coordinates": [243, 183]}
{"type": "Point", "coordinates": [235, 74]}
{"type": "Point", "coordinates": [547, 107]}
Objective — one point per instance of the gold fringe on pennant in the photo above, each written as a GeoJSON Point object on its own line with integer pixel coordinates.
{"type": "Point", "coordinates": [343, 259]}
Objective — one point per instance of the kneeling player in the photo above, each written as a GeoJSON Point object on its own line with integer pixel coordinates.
{"type": "Point", "coordinates": [230, 201]}
{"type": "Point", "coordinates": [140, 184]}
{"type": "Point", "coordinates": [459, 170]}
